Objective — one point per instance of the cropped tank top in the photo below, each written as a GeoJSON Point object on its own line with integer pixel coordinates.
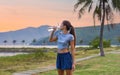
{"type": "Point", "coordinates": [63, 40]}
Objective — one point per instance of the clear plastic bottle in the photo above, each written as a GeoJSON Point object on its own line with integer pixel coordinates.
{"type": "Point", "coordinates": [52, 28]}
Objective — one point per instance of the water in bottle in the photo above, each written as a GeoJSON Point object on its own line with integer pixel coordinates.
{"type": "Point", "coordinates": [52, 28]}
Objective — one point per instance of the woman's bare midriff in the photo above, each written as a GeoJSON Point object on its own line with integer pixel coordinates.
{"type": "Point", "coordinates": [65, 50]}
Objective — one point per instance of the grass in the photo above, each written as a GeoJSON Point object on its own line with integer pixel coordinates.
{"type": "Point", "coordinates": [38, 59]}
{"type": "Point", "coordinates": [108, 65]}
{"type": "Point", "coordinates": [9, 65]}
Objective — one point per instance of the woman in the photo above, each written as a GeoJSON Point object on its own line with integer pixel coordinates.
{"type": "Point", "coordinates": [65, 37]}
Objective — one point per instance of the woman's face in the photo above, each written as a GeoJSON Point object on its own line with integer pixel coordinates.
{"type": "Point", "coordinates": [62, 26]}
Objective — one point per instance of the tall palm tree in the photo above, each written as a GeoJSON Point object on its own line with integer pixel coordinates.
{"type": "Point", "coordinates": [103, 10]}
{"type": "Point", "coordinates": [5, 41]}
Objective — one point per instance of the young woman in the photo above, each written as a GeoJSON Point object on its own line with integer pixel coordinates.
{"type": "Point", "coordinates": [65, 37]}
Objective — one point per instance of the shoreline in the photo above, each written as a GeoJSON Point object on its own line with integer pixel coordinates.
{"type": "Point", "coordinates": [41, 46]}
{"type": "Point", "coordinates": [35, 46]}
{"type": "Point", "coordinates": [31, 48]}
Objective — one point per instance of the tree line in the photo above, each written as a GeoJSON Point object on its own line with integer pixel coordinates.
{"type": "Point", "coordinates": [15, 41]}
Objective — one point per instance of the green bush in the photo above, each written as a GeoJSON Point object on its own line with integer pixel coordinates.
{"type": "Point", "coordinates": [118, 39]}
{"type": "Point", "coordinates": [95, 43]}
{"type": "Point", "coordinates": [106, 43]}
{"type": "Point", "coordinates": [39, 54]}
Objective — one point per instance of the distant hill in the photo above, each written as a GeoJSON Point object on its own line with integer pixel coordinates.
{"type": "Point", "coordinates": [86, 34]}
{"type": "Point", "coordinates": [41, 34]}
{"type": "Point", "coordinates": [27, 34]}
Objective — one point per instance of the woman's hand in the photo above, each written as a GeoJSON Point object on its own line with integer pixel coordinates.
{"type": "Point", "coordinates": [54, 28]}
{"type": "Point", "coordinates": [73, 67]}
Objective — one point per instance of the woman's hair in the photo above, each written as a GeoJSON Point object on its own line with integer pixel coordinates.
{"type": "Point", "coordinates": [70, 28]}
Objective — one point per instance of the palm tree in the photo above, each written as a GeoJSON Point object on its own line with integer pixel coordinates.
{"type": "Point", "coordinates": [34, 40]}
{"type": "Point", "coordinates": [5, 41]}
{"type": "Point", "coordinates": [44, 42]}
{"type": "Point", "coordinates": [14, 41]}
{"type": "Point", "coordinates": [81, 41]}
{"type": "Point", "coordinates": [23, 41]}
{"type": "Point", "coordinates": [118, 39]}
{"type": "Point", "coordinates": [103, 10]}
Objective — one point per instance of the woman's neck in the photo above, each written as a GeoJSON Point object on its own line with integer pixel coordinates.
{"type": "Point", "coordinates": [64, 31]}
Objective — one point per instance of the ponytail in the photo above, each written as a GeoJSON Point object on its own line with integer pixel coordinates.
{"type": "Point", "coordinates": [72, 31]}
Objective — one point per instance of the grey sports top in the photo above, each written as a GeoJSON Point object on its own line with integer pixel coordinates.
{"type": "Point", "coordinates": [63, 39]}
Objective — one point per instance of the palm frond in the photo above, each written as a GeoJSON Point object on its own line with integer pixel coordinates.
{"type": "Point", "coordinates": [81, 11]}
{"type": "Point", "coordinates": [94, 19]}
{"type": "Point", "coordinates": [87, 3]}
{"type": "Point", "coordinates": [85, 6]}
{"type": "Point", "coordinates": [90, 7]}
{"type": "Point", "coordinates": [108, 10]}
{"type": "Point", "coordinates": [109, 15]}
{"type": "Point", "coordinates": [98, 12]}
{"type": "Point", "coordinates": [100, 8]}
{"type": "Point", "coordinates": [79, 3]}
{"type": "Point", "coordinates": [94, 14]}
{"type": "Point", "coordinates": [116, 5]}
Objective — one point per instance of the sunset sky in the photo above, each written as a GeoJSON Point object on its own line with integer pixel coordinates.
{"type": "Point", "coordinates": [18, 14]}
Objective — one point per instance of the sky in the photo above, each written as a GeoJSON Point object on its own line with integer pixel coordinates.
{"type": "Point", "coordinates": [18, 14]}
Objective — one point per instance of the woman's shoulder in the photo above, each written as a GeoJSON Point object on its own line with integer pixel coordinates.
{"type": "Point", "coordinates": [71, 35]}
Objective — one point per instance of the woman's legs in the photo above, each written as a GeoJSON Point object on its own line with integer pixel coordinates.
{"type": "Point", "coordinates": [60, 72]}
{"type": "Point", "coordinates": [69, 72]}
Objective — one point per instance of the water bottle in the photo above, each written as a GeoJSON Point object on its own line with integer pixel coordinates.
{"type": "Point", "coordinates": [52, 28]}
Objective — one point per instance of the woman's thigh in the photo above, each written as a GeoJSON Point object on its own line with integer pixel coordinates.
{"type": "Point", "coordinates": [60, 72]}
{"type": "Point", "coordinates": [69, 72]}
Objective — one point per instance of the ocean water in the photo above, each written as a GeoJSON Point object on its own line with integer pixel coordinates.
{"type": "Point", "coordinates": [4, 54]}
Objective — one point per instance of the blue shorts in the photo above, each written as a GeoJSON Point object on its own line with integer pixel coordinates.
{"type": "Point", "coordinates": [64, 61]}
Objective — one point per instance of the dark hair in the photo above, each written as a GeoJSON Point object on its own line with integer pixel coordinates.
{"type": "Point", "coordinates": [70, 28]}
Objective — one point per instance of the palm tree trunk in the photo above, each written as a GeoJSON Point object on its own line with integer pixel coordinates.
{"type": "Point", "coordinates": [101, 31]}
